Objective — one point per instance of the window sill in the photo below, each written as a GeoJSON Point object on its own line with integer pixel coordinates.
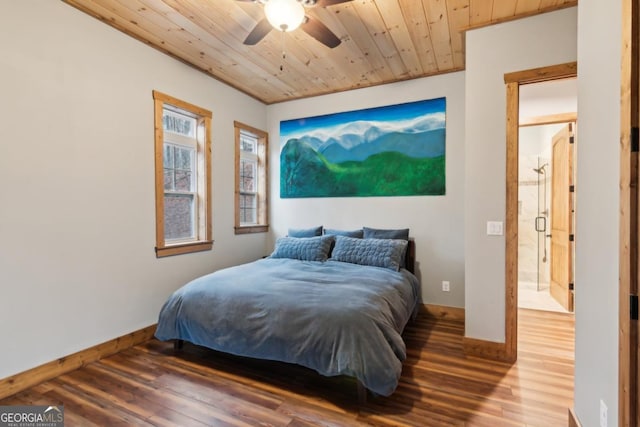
{"type": "Point", "coordinates": [248, 229]}
{"type": "Point", "coordinates": [184, 248]}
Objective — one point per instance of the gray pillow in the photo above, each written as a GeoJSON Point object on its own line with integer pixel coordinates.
{"type": "Point", "coordinates": [348, 233]}
{"type": "Point", "coordinates": [303, 248]}
{"type": "Point", "coordinates": [305, 232]}
{"type": "Point", "coordinates": [380, 233]}
{"type": "Point", "coordinates": [386, 253]}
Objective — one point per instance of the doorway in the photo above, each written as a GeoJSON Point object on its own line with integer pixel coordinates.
{"type": "Point", "coordinates": [515, 116]}
{"type": "Point", "coordinates": [545, 205]}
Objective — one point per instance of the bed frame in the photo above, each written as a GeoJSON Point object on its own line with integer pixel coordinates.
{"type": "Point", "coordinates": [410, 256]}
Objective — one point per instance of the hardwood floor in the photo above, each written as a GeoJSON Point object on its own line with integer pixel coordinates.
{"type": "Point", "coordinates": [153, 385]}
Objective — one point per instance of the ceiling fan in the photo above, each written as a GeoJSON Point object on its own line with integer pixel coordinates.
{"type": "Point", "coordinates": [287, 15]}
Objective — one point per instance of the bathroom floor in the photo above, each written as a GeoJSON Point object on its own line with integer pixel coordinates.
{"type": "Point", "coordinates": [530, 297]}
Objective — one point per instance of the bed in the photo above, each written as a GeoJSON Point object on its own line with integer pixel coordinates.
{"type": "Point", "coordinates": [332, 303]}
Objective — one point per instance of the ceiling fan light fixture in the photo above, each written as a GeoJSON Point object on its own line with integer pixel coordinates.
{"type": "Point", "coordinates": [284, 15]}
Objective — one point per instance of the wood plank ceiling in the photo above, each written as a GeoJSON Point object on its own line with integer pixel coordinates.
{"type": "Point", "coordinates": [383, 41]}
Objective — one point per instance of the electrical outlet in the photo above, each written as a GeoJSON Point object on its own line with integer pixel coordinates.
{"type": "Point", "coordinates": [603, 414]}
{"type": "Point", "coordinates": [445, 286]}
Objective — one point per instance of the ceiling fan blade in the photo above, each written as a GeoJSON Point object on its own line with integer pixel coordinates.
{"type": "Point", "coordinates": [325, 3]}
{"type": "Point", "coordinates": [320, 32]}
{"type": "Point", "coordinates": [261, 29]}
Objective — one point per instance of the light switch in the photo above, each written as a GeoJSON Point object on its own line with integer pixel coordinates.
{"type": "Point", "coordinates": [494, 228]}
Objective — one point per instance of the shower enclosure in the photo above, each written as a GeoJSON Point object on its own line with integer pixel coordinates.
{"type": "Point", "coordinates": [534, 218]}
{"type": "Point", "coordinates": [541, 225]}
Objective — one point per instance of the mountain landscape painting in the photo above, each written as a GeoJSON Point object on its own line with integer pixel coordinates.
{"type": "Point", "coordinates": [396, 150]}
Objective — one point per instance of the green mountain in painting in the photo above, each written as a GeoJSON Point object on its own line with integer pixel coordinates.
{"type": "Point", "coordinates": [307, 173]}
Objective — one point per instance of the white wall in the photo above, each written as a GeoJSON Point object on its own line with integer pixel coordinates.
{"type": "Point", "coordinates": [491, 52]}
{"type": "Point", "coordinates": [434, 221]}
{"type": "Point", "coordinates": [77, 219]}
{"type": "Point", "coordinates": [597, 216]}
{"type": "Point", "coordinates": [546, 98]}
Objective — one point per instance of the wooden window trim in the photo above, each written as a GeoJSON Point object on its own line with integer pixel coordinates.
{"type": "Point", "coordinates": [249, 229]}
{"type": "Point", "coordinates": [205, 241]}
{"type": "Point", "coordinates": [263, 174]}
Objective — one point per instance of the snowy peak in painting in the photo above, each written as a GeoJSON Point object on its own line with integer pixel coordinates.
{"type": "Point", "coordinates": [355, 141]}
{"type": "Point", "coordinates": [357, 132]}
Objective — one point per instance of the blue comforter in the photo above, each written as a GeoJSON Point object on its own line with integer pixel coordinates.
{"type": "Point", "coordinates": [334, 317]}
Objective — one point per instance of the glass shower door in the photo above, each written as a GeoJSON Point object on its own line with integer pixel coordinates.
{"type": "Point", "coordinates": [542, 225]}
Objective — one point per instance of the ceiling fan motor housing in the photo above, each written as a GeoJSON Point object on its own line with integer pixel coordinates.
{"type": "Point", "coordinates": [287, 15]}
{"type": "Point", "coordinates": [305, 3]}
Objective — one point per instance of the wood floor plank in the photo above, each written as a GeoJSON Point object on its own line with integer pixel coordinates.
{"type": "Point", "coordinates": [85, 406]}
{"type": "Point", "coordinates": [153, 385]}
{"type": "Point", "coordinates": [172, 404]}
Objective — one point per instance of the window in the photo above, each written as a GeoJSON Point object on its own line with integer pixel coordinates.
{"type": "Point", "coordinates": [251, 179]}
{"type": "Point", "coordinates": [183, 176]}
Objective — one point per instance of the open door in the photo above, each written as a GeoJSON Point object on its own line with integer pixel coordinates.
{"type": "Point", "coordinates": [561, 268]}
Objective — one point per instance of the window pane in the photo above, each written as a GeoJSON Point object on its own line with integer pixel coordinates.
{"type": "Point", "coordinates": [184, 158]}
{"type": "Point", "coordinates": [248, 169]}
{"type": "Point", "coordinates": [248, 175]}
{"type": "Point", "coordinates": [179, 170]}
{"type": "Point", "coordinates": [183, 181]}
{"type": "Point", "coordinates": [248, 209]}
{"type": "Point", "coordinates": [167, 156]}
{"type": "Point", "coordinates": [248, 143]}
{"type": "Point", "coordinates": [178, 123]}
{"type": "Point", "coordinates": [168, 179]}
{"type": "Point", "coordinates": [179, 216]}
